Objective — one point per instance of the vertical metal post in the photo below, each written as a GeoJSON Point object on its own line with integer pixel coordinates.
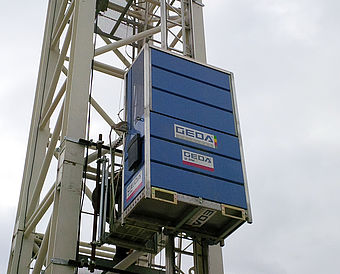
{"type": "Point", "coordinates": [198, 31]}
{"type": "Point", "coordinates": [164, 28]}
{"type": "Point", "coordinates": [71, 160]}
{"type": "Point", "coordinates": [52, 237]}
{"type": "Point", "coordinates": [215, 259]}
{"type": "Point", "coordinates": [42, 251]}
{"type": "Point", "coordinates": [179, 256]}
{"type": "Point", "coordinates": [95, 213]}
{"type": "Point", "coordinates": [103, 199]}
{"type": "Point", "coordinates": [201, 257]}
{"type": "Point", "coordinates": [170, 254]}
{"type": "Point", "coordinates": [214, 252]}
{"type": "Point", "coordinates": [187, 28]}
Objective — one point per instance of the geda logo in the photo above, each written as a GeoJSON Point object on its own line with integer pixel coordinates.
{"type": "Point", "coordinates": [195, 136]}
{"type": "Point", "coordinates": [197, 160]}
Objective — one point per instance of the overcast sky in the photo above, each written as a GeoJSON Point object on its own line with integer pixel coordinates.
{"type": "Point", "coordinates": [286, 60]}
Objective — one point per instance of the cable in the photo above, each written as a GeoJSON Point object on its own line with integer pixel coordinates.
{"type": "Point", "coordinates": [120, 103]}
{"type": "Point", "coordinates": [119, 114]}
{"type": "Point", "coordinates": [113, 189]}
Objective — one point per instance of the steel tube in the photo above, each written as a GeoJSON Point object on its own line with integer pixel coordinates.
{"type": "Point", "coordinates": [39, 212]}
{"type": "Point", "coordinates": [164, 30]}
{"type": "Point", "coordinates": [53, 106]}
{"type": "Point", "coordinates": [42, 251]}
{"type": "Point", "coordinates": [102, 113]}
{"type": "Point", "coordinates": [61, 13]}
{"type": "Point", "coordinates": [57, 32]}
{"type": "Point", "coordinates": [117, 52]}
{"type": "Point", "coordinates": [88, 193]}
{"type": "Point", "coordinates": [98, 253]}
{"type": "Point", "coordinates": [94, 156]}
{"type": "Point", "coordinates": [90, 177]}
{"type": "Point", "coordinates": [120, 9]}
{"type": "Point", "coordinates": [95, 209]}
{"type": "Point", "coordinates": [57, 70]}
{"type": "Point", "coordinates": [64, 69]}
{"type": "Point", "coordinates": [47, 196]}
{"type": "Point", "coordinates": [158, 3]}
{"type": "Point", "coordinates": [102, 209]}
{"type": "Point", "coordinates": [170, 254]}
{"type": "Point", "coordinates": [102, 248]}
{"type": "Point", "coordinates": [129, 260]}
{"type": "Point", "coordinates": [126, 8]}
{"type": "Point", "coordinates": [176, 39]}
{"type": "Point", "coordinates": [107, 69]}
{"type": "Point", "coordinates": [129, 40]}
{"type": "Point", "coordinates": [46, 164]}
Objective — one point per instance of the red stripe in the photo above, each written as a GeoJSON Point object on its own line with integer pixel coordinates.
{"type": "Point", "coordinates": [199, 166]}
{"type": "Point", "coordinates": [133, 193]}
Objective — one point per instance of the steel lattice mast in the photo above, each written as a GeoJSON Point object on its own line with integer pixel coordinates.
{"type": "Point", "coordinates": [60, 120]}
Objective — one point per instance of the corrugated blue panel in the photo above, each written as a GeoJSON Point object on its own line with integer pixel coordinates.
{"type": "Point", "coordinates": [193, 184]}
{"type": "Point", "coordinates": [191, 111]}
{"type": "Point", "coordinates": [190, 69]}
{"type": "Point", "coordinates": [195, 99]}
{"type": "Point", "coordinates": [172, 154]}
{"type": "Point", "coordinates": [192, 89]}
{"type": "Point", "coordinates": [163, 127]}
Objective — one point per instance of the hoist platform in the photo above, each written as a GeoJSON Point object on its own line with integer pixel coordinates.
{"type": "Point", "coordinates": [183, 161]}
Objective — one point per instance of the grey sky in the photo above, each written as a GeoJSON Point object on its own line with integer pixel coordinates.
{"type": "Point", "coordinates": [286, 62]}
{"type": "Point", "coordinates": [285, 56]}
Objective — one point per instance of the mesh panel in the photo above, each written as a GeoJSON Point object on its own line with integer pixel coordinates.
{"type": "Point", "coordinates": [108, 19]}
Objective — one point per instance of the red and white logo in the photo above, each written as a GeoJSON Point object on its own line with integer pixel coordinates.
{"type": "Point", "coordinates": [134, 186]}
{"type": "Point", "coordinates": [194, 159]}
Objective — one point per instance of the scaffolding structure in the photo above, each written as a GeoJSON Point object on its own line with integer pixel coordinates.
{"type": "Point", "coordinates": [84, 38]}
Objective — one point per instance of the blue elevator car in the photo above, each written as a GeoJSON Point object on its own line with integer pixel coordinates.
{"type": "Point", "coordinates": [183, 163]}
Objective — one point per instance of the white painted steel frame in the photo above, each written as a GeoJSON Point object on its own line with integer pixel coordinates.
{"type": "Point", "coordinates": [65, 224]}
{"type": "Point", "coordinates": [69, 24]}
{"type": "Point", "coordinates": [21, 250]}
